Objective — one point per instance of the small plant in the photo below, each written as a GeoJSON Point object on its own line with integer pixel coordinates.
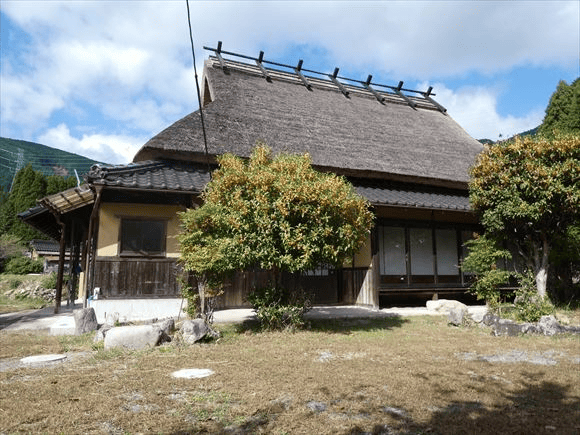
{"type": "Point", "coordinates": [280, 309]}
{"type": "Point", "coordinates": [530, 306]}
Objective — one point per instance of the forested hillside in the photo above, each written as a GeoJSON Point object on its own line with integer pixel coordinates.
{"type": "Point", "coordinates": [562, 113]}
{"type": "Point", "coordinates": [16, 154]}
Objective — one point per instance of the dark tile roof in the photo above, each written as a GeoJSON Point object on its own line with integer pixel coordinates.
{"type": "Point", "coordinates": [152, 175]}
{"type": "Point", "coordinates": [354, 136]}
{"type": "Point", "coordinates": [45, 247]}
{"type": "Point", "coordinates": [181, 177]}
{"type": "Point", "coordinates": [417, 196]}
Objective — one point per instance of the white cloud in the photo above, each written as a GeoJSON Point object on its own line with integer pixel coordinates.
{"type": "Point", "coordinates": [130, 61]}
{"type": "Point", "coordinates": [27, 103]}
{"type": "Point", "coordinates": [114, 149]}
{"type": "Point", "coordinates": [475, 109]}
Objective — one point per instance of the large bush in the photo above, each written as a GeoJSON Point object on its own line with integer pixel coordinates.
{"type": "Point", "coordinates": [272, 212]}
{"type": "Point", "coordinates": [23, 265]}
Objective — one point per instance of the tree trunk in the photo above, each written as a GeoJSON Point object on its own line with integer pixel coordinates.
{"type": "Point", "coordinates": [201, 283]}
{"type": "Point", "coordinates": [542, 267]}
{"type": "Point", "coordinates": [541, 281]}
{"type": "Point", "coordinates": [277, 272]}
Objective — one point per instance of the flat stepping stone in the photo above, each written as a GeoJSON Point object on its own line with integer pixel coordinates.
{"type": "Point", "coordinates": [192, 373]}
{"type": "Point", "coordinates": [43, 359]}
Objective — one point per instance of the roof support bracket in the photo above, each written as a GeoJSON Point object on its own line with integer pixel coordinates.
{"type": "Point", "coordinates": [220, 58]}
{"type": "Point", "coordinates": [372, 90]}
{"type": "Point", "coordinates": [427, 94]}
{"type": "Point", "coordinates": [403, 96]}
{"type": "Point", "coordinates": [301, 76]}
{"type": "Point", "coordinates": [264, 72]}
{"type": "Point", "coordinates": [337, 83]}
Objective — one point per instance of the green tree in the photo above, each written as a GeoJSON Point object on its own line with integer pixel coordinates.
{"type": "Point", "coordinates": [528, 192]}
{"type": "Point", "coordinates": [9, 247]}
{"type": "Point", "coordinates": [563, 111]}
{"type": "Point", "coordinates": [28, 187]}
{"type": "Point", "coordinates": [276, 213]}
{"type": "Point", "coordinates": [57, 183]}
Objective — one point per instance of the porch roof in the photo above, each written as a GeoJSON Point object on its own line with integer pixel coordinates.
{"type": "Point", "coordinates": [69, 200]}
{"type": "Point", "coordinates": [42, 219]}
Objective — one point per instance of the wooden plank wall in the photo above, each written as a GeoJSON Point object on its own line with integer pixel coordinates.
{"type": "Point", "coordinates": [323, 289]}
{"type": "Point", "coordinates": [360, 286]}
{"type": "Point", "coordinates": [136, 278]}
{"type": "Point", "coordinates": [240, 286]}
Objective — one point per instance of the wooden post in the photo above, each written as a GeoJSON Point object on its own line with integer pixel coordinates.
{"type": "Point", "coordinates": [70, 297]}
{"type": "Point", "coordinates": [60, 273]}
{"type": "Point", "coordinates": [91, 246]}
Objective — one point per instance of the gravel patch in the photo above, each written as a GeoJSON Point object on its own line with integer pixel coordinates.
{"type": "Point", "coordinates": [547, 358]}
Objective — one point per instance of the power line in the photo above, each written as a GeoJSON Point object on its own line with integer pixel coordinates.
{"type": "Point", "coordinates": [197, 88]}
{"type": "Point", "coordinates": [19, 164]}
{"type": "Point", "coordinates": [8, 151]}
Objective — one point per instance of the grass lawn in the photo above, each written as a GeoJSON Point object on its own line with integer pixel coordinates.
{"type": "Point", "coordinates": [393, 376]}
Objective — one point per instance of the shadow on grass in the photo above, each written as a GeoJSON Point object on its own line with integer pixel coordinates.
{"type": "Point", "coordinates": [347, 325]}
{"type": "Point", "coordinates": [545, 408]}
{"type": "Point", "coordinates": [336, 325]}
{"type": "Point", "coordinates": [533, 409]}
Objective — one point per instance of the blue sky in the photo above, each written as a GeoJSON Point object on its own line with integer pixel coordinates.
{"type": "Point", "coordinates": [101, 78]}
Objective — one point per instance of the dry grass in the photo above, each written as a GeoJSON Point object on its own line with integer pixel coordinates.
{"type": "Point", "coordinates": [9, 282]}
{"type": "Point", "coordinates": [382, 376]}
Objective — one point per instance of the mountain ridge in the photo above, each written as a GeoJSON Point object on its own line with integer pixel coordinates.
{"type": "Point", "coordinates": [16, 153]}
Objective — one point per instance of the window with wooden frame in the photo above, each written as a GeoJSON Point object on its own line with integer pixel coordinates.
{"type": "Point", "coordinates": [143, 236]}
{"type": "Point", "coordinates": [421, 255]}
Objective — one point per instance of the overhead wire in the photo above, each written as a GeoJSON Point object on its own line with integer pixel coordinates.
{"type": "Point", "coordinates": [198, 92]}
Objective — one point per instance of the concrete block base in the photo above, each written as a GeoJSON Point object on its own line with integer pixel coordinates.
{"type": "Point", "coordinates": [134, 310]}
{"type": "Point", "coordinates": [63, 326]}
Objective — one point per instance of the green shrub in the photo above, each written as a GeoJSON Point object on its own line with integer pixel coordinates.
{"type": "Point", "coordinates": [193, 308]}
{"type": "Point", "coordinates": [530, 306]}
{"type": "Point", "coordinates": [482, 262]}
{"type": "Point", "coordinates": [23, 266]}
{"type": "Point", "coordinates": [49, 281]}
{"type": "Point", "coordinates": [14, 283]}
{"type": "Point", "coordinates": [280, 309]}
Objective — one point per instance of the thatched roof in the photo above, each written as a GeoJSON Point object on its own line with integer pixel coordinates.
{"type": "Point", "coordinates": [357, 136]}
